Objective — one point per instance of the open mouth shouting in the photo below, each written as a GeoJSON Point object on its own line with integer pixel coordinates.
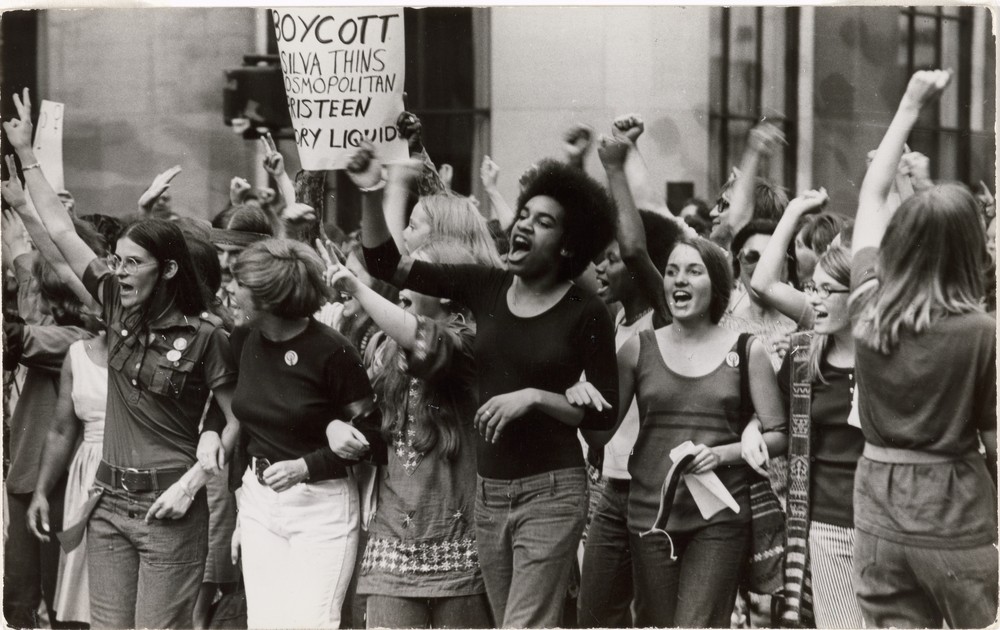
{"type": "Point", "coordinates": [680, 298]}
{"type": "Point", "coordinates": [520, 246]}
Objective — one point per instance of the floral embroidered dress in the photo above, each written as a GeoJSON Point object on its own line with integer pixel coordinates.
{"type": "Point", "coordinates": [422, 537]}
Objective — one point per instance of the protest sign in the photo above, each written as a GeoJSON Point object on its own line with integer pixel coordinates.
{"type": "Point", "coordinates": [343, 71]}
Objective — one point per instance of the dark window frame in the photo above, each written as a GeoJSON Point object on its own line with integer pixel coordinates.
{"type": "Point", "coordinates": [720, 116]}
{"type": "Point", "coordinates": [963, 80]}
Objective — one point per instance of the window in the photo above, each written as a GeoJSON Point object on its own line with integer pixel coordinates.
{"type": "Point", "coordinates": [941, 37]}
{"type": "Point", "coordinates": [754, 75]}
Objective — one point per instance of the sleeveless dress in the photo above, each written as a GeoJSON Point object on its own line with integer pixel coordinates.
{"type": "Point", "coordinates": [90, 393]}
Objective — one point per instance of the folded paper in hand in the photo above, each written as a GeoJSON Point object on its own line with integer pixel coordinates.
{"type": "Point", "coordinates": [707, 490]}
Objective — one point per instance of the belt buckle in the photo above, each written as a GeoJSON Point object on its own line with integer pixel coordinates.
{"type": "Point", "coordinates": [260, 464]}
{"type": "Point", "coordinates": [124, 477]}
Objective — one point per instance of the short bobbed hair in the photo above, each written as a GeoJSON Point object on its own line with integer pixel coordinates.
{"type": "Point", "coordinates": [284, 277]}
{"type": "Point", "coordinates": [588, 211]}
{"type": "Point", "coordinates": [719, 273]}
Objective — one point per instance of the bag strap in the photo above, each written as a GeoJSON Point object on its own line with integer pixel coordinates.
{"type": "Point", "coordinates": [746, 402]}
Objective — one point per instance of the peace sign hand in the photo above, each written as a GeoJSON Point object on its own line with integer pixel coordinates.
{"type": "Point", "coordinates": [336, 275]}
{"type": "Point", "coordinates": [19, 130]}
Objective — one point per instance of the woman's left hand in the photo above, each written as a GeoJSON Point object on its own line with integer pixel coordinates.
{"type": "Point", "coordinates": [173, 503]}
{"type": "Point", "coordinates": [494, 416]}
{"type": "Point", "coordinates": [705, 459]}
{"type": "Point", "coordinates": [283, 475]}
{"type": "Point", "coordinates": [211, 454]}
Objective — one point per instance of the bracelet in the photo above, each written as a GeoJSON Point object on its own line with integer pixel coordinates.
{"type": "Point", "coordinates": [27, 168]}
{"type": "Point", "coordinates": [378, 186]}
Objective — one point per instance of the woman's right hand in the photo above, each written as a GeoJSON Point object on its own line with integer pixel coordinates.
{"type": "Point", "coordinates": [705, 459]}
{"type": "Point", "coordinates": [159, 186]}
{"type": "Point", "coordinates": [808, 202]}
{"type": "Point", "coordinates": [364, 169]}
{"type": "Point", "coordinates": [19, 130]}
{"type": "Point", "coordinates": [38, 516]}
{"type": "Point", "coordinates": [346, 441]}
{"type": "Point", "coordinates": [336, 275]}
{"type": "Point", "coordinates": [13, 190]}
{"type": "Point", "coordinates": [489, 172]}
{"type": "Point", "coordinates": [924, 87]}
{"type": "Point", "coordinates": [613, 152]}
{"type": "Point", "coordinates": [238, 189]}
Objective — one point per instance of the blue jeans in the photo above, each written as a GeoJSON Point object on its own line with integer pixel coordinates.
{"type": "Point", "coordinates": [698, 590]}
{"type": "Point", "coordinates": [918, 587]}
{"type": "Point", "coordinates": [527, 532]}
{"type": "Point", "coordinates": [144, 575]}
{"type": "Point", "coordinates": [467, 611]}
{"type": "Point", "coordinates": [606, 581]}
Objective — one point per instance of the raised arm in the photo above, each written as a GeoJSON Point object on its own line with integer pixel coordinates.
{"type": "Point", "coordinates": [766, 283]}
{"type": "Point", "coordinates": [629, 231]}
{"type": "Point", "coordinates": [159, 186]}
{"type": "Point", "coordinates": [762, 142]}
{"type": "Point", "coordinates": [628, 128]}
{"type": "Point", "coordinates": [27, 220]}
{"type": "Point", "coordinates": [50, 208]}
{"type": "Point", "coordinates": [389, 317]}
{"type": "Point", "coordinates": [872, 219]}
{"type": "Point", "coordinates": [576, 144]}
{"type": "Point", "coordinates": [489, 172]}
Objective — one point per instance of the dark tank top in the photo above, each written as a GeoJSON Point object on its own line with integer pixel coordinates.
{"type": "Point", "coordinates": [673, 409]}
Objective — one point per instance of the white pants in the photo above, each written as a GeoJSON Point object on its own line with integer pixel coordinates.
{"type": "Point", "coordinates": [299, 548]}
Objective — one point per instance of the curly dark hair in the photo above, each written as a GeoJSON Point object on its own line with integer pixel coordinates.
{"type": "Point", "coordinates": [588, 209]}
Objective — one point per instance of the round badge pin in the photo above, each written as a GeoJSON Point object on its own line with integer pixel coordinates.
{"type": "Point", "coordinates": [173, 355]}
{"type": "Point", "coordinates": [180, 343]}
{"type": "Point", "coordinates": [733, 359]}
{"type": "Point", "coordinates": [291, 357]}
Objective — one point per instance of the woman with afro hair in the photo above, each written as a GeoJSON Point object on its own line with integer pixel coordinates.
{"type": "Point", "coordinates": [536, 332]}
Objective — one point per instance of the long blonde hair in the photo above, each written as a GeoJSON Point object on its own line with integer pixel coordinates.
{"type": "Point", "coordinates": [436, 423]}
{"type": "Point", "coordinates": [930, 265]}
{"type": "Point", "coordinates": [836, 262]}
{"type": "Point", "coordinates": [457, 218]}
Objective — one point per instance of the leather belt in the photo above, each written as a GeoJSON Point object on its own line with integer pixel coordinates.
{"type": "Point", "coordinates": [886, 455]}
{"type": "Point", "coordinates": [138, 480]}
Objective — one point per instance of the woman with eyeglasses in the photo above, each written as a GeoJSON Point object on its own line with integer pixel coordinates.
{"type": "Point", "coordinates": [925, 497]}
{"type": "Point", "coordinates": [835, 441]}
{"type": "Point", "coordinates": [146, 535]}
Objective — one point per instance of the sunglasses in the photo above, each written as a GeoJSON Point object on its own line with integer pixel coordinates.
{"type": "Point", "coordinates": [749, 257]}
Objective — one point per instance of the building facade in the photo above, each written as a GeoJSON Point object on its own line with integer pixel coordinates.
{"type": "Point", "coordinates": [143, 91]}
